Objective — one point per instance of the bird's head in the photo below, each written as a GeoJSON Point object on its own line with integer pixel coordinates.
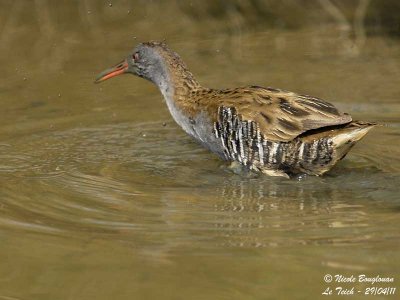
{"type": "Point", "coordinates": [146, 60]}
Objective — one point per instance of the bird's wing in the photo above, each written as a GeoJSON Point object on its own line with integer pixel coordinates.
{"type": "Point", "coordinates": [281, 115]}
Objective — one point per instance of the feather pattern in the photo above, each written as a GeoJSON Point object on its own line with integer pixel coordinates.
{"type": "Point", "coordinates": [280, 115]}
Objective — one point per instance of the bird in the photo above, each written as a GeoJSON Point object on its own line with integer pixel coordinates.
{"type": "Point", "coordinates": [261, 129]}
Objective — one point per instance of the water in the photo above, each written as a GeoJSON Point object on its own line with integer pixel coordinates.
{"type": "Point", "coordinates": [104, 197]}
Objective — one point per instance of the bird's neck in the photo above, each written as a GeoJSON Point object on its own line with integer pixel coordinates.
{"type": "Point", "coordinates": [177, 84]}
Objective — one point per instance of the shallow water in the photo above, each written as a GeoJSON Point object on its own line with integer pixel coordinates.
{"type": "Point", "coordinates": [103, 196]}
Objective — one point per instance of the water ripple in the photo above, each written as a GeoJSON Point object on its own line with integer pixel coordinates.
{"type": "Point", "coordinates": [146, 180]}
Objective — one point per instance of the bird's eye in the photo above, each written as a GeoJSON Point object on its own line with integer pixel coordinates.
{"type": "Point", "coordinates": [135, 56]}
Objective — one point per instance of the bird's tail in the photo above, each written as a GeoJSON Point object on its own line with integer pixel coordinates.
{"type": "Point", "coordinates": [349, 135]}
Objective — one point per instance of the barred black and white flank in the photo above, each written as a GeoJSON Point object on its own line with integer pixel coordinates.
{"type": "Point", "coordinates": [243, 142]}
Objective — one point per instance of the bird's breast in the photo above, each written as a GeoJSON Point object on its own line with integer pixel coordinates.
{"type": "Point", "coordinates": [197, 124]}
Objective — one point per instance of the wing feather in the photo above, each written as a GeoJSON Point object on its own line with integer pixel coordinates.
{"type": "Point", "coordinates": [281, 115]}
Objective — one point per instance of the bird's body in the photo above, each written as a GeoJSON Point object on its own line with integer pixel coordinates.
{"type": "Point", "coordinates": [276, 132]}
